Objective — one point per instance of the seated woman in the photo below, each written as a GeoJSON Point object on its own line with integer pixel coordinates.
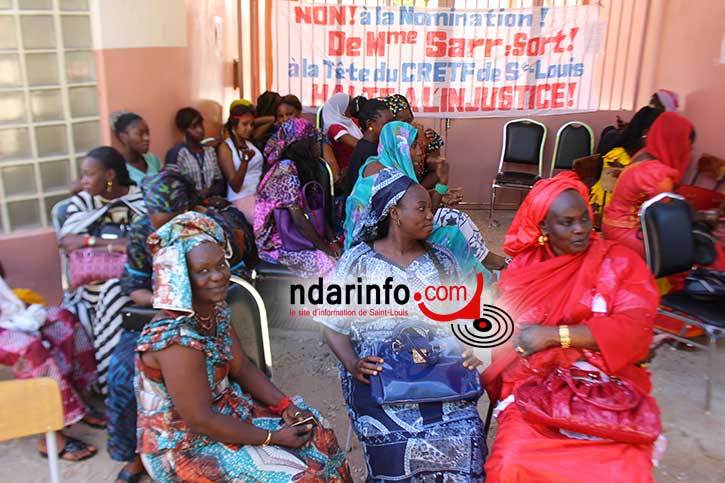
{"type": "Point", "coordinates": [133, 133]}
{"type": "Point", "coordinates": [195, 161]}
{"type": "Point", "coordinates": [109, 201]}
{"type": "Point", "coordinates": [655, 169]}
{"type": "Point", "coordinates": [240, 160]}
{"type": "Point", "coordinates": [373, 115]}
{"type": "Point", "coordinates": [402, 442]}
{"type": "Point", "coordinates": [39, 342]}
{"type": "Point", "coordinates": [205, 412]}
{"type": "Point", "coordinates": [166, 195]}
{"type": "Point", "coordinates": [400, 107]}
{"type": "Point", "coordinates": [618, 155]}
{"type": "Point", "coordinates": [401, 148]}
{"type": "Point", "coordinates": [598, 303]}
{"type": "Point", "coordinates": [293, 159]}
{"type": "Point", "coordinates": [341, 129]}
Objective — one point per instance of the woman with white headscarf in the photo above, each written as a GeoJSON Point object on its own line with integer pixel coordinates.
{"type": "Point", "coordinates": [341, 128]}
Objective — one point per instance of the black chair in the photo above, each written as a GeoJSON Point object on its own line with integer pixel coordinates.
{"type": "Point", "coordinates": [608, 139]}
{"type": "Point", "coordinates": [574, 140]}
{"type": "Point", "coordinates": [249, 320]}
{"type": "Point", "coordinates": [523, 145]}
{"type": "Point", "coordinates": [666, 222]}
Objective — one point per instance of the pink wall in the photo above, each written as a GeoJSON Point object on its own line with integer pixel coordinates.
{"type": "Point", "coordinates": [473, 149]}
{"type": "Point", "coordinates": [151, 81]}
{"type": "Point", "coordinates": [687, 63]}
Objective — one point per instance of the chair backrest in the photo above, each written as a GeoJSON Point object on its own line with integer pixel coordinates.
{"type": "Point", "coordinates": [59, 213]}
{"type": "Point", "coordinates": [666, 222]}
{"type": "Point", "coordinates": [607, 139]}
{"type": "Point", "coordinates": [523, 143]}
{"type": "Point", "coordinates": [318, 118]}
{"type": "Point", "coordinates": [249, 320]}
{"type": "Point", "coordinates": [29, 406]}
{"type": "Point", "coordinates": [588, 168]}
{"type": "Point", "coordinates": [574, 140]}
{"type": "Point", "coordinates": [328, 185]}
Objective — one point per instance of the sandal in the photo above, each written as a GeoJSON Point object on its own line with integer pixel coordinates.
{"type": "Point", "coordinates": [129, 477]}
{"type": "Point", "coordinates": [94, 413]}
{"type": "Point", "coordinates": [72, 446]}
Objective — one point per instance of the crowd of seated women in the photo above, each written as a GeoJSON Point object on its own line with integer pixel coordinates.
{"type": "Point", "coordinates": [184, 403]}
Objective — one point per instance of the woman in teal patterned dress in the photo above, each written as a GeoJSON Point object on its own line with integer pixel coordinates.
{"type": "Point", "coordinates": [205, 412]}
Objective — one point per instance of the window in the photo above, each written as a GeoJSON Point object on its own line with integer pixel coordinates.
{"type": "Point", "coordinates": [48, 106]}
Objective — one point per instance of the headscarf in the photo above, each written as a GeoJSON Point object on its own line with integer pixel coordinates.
{"type": "Point", "coordinates": [393, 152]}
{"type": "Point", "coordinates": [240, 102]}
{"type": "Point", "coordinates": [524, 232]}
{"type": "Point", "coordinates": [333, 112]}
{"type": "Point", "coordinates": [668, 141]}
{"type": "Point", "coordinates": [396, 138]}
{"type": "Point", "coordinates": [167, 192]}
{"type": "Point", "coordinates": [389, 187]}
{"type": "Point", "coordinates": [398, 103]}
{"type": "Point", "coordinates": [669, 99]}
{"type": "Point", "coordinates": [169, 246]}
{"type": "Point", "coordinates": [293, 130]}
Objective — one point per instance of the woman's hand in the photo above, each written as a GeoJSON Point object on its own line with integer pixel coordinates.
{"type": "Point", "coordinates": [365, 367]}
{"type": "Point", "coordinates": [217, 202]}
{"type": "Point", "coordinates": [293, 414]}
{"type": "Point", "coordinates": [453, 197]}
{"type": "Point", "coordinates": [71, 243]}
{"type": "Point", "coordinates": [470, 361]}
{"type": "Point", "coordinates": [292, 437]}
{"type": "Point", "coordinates": [442, 170]}
{"type": "Point", "coordinates": [535, 338]}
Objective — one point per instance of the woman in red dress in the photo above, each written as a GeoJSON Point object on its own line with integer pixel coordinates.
{"type": "Point", "coordinates": [604, 302]}
{"type": "Point", "coordinates": [656, 169]}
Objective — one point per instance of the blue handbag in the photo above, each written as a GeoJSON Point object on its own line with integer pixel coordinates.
{"type": "Point", "coordinates": [420, 367]}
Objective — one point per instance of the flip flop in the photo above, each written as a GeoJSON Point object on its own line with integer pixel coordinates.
{"type": "Point", "coordinates": [72, 445]}
{"type": "Point", "coordinates": [91, 411]}
{"type": "Point", "coordinates": [129, 477]}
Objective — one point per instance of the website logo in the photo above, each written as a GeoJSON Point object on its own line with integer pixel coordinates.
{"type": "Point", "coordinates": [490, 325]}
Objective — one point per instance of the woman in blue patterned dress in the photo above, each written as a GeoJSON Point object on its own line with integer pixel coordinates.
{"type": "Point", "coordinates": [205, 412]}
{"type": "Point", "coordinates": [435, 441]}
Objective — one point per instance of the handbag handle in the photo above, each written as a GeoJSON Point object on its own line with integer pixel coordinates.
{"type": "Point", "coordinates": [566, 376]}
{"type": "Point", "coordinates": [305, 188]}
{"type": "Point", "coordinates": [429, 353]}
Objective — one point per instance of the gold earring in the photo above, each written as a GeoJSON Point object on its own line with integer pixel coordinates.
{"type": "Point", "coordinates": [109, 186]}
{"type": "Point", "coordinates": [370, 128]}
{"type": "Point", "coordinates": [543, 239]}
{"type": "Point", "coordinates": [397, 221]}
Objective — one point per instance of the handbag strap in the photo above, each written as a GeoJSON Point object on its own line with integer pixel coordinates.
{"type": "Point", "coordinates": [567, 377]}
{"type": "Point", "coordinates": [306, 188]}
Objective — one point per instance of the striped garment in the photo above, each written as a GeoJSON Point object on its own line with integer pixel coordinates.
{"type": "Point", "coordinates": [98, 306]}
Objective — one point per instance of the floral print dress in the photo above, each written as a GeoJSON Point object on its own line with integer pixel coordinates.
{"type": "Point", "coordinates": [172, 452]}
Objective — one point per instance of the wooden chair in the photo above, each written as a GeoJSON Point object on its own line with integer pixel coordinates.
{"type": "Point", "coordinates": [32, 406]}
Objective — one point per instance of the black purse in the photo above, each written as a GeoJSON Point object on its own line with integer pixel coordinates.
{"type": "Point", "coordinates": [135, 317]}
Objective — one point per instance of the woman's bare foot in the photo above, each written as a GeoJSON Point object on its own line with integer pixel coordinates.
{"type": "Point", "coordinates": [131, 472]}
{"type": "Point", "coordinates": [69, 449]}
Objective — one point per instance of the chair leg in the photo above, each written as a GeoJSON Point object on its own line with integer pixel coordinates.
{"type": "Point", "coordinates": [52, 448]}
{"type": "Point", "coordinates": [348, 439]}
{"type": "Point", "coordinates": [712, 347]}
{"type": "Point", "coordinates": [491, 221]}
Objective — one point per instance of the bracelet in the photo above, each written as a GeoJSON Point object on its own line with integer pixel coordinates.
{"type": "Point", "coordinates": [268, 440]}
{"type": "Point", "coordinates": [564, 339]}
{"type": "Point", "coordinates": [89, 241]}
{"type": "Point", "coordinates": [279, 408]}
{"type": "Point", "coordinates": [441, 189]}
{"type": "Point", "coordinates": [109, 248]}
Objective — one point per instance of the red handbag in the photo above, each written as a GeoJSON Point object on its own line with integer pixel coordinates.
{"type": "Point", "coordinates": [91, 265]}
{"type": "Point", "coordinates": [584, 402]}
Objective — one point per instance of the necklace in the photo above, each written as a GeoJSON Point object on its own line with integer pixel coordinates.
{"type": "Point", "coordinates": [204, 321]}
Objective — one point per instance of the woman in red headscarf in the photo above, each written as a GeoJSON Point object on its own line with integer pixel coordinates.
{"type": "Point", "coordinates": [655, 169]}
{"type": "Point", "coordinates": [573, 297]}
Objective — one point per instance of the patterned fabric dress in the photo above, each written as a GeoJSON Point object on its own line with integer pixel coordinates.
{"type": "Point", "coordinates": [98, 305]}
{"type": "Point", "coordinates": [61, 350]}
{"type": "Point", "coordinates": [171, 452]}
{"type": "Point", "coordinates": [436, 442]}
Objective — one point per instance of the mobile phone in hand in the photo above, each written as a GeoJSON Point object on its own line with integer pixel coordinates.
{"type": "Point", "coordinates": [310, 420]}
